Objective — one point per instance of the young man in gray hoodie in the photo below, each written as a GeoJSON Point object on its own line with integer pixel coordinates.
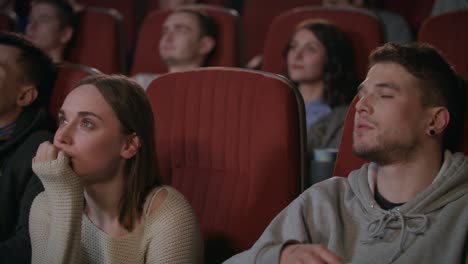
{"type": "Point", "coordinates": [409, 204]}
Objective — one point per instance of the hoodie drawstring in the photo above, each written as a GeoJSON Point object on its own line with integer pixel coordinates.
{"type": "Point", "coordinates": [377, 228]}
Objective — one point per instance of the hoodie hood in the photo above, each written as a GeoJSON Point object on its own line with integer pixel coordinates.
{"type": "Point", "coordinates": [450, 184]}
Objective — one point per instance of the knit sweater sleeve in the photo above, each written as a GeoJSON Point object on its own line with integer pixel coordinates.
{"type": "Point", "coordinates": [175, 232]}
{"type": "Point", "coordinates": [55, 218]}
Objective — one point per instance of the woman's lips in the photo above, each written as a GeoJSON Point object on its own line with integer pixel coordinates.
{"type": "Point", "coordinates": [297, 67]}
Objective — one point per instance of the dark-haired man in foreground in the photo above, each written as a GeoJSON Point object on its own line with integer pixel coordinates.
{"type": "Point", "coordinates": [27, 76]}
{"type": "Point", "coordinates": [409, 204]}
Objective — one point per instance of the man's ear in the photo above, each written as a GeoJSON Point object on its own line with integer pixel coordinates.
{"type": "Point", "coordinates": [27, 95]}
{"type": "Point", "coordinates": [67, 34]}
{"type": "Point", "coordinates": [131, 147]}
{"type": "Point", "coordinates": [207, 45]}
{"type": "Point", "coordinates": [440, 118]}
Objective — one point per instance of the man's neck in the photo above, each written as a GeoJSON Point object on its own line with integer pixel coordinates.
{"type": "Point", "coordinates": [10, 116]}
{"type": "Point", "coordinates": [56, 55]}
{"type": "Point", "coordinates": [400, 182]}
{"type": "Point", "coordinates": [184, 67]}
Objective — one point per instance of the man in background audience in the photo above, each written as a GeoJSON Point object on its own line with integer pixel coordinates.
{"type": "Point", "coordinates": [51, 27]}
{"type": "Point", "coordinates": [188, 40]}
{"type": "Point", "coordinates": [26, 79]}
{"type": "Point", "coordinates": [396, 27]}
{"type": "Point", "coordinates": [410, 203]}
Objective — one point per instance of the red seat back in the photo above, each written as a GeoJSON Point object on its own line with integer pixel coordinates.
{"type": "Point", "coordinates": [126, 8]}
{"type": "Point", "coordinates": [68, 74]}
{"type": "Point", "coordinates": [257, 17]}
{"type": "Point", "coordinates": [233, 142]}
{"type": "Point", "coordinates": [445, 33]}
{"type": "Point", "coordinates": [362, 27]}
{"type": "Point", "coordinates": [99, 41]}
{"type": "Point", "coordinates": [154, 4]}
{"type": "Point", "coordinates": [227, 53]}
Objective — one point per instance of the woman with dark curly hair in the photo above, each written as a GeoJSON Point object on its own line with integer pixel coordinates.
{"type": "Point", "coordinates": [320, 60]}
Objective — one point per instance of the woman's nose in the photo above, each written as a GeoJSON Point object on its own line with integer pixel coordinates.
{"type": "Point", "coordinates": [298, 53]}
{"type": "Point", "coordinates": [63, 136]}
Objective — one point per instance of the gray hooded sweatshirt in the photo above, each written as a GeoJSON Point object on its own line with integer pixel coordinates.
{"type": "Point", "coordinates": [342, 215]}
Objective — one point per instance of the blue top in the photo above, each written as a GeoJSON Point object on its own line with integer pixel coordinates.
{"type": "Point", "coordinates": [314, 110]}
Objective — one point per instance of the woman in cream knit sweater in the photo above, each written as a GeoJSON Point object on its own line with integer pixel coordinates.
{"type": "Point", "coordinates": [103, 200]}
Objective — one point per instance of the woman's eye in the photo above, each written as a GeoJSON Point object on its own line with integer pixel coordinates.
{"type": "Point", "coordinates": [87, 124]}
{"type": "Point", "coordinates": [310, 49]}
{"type": "Point", "coordinates": [292, 46]}
{"type": "Point", "coordinates": [61, 120]}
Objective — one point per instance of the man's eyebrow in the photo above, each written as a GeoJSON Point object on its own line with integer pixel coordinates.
{"type": "Point", "coordinates": [181, 25]}
{"type": "Point", "coordinates": [390, 85]}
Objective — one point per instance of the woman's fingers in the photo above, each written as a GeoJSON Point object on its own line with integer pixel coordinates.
{"type": "Point", "coordinates": [45, 152]}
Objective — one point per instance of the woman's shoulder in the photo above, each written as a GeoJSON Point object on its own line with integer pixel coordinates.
{"type": "Point", "coordinates": [172, 229]}
{"type": "Point", "coordinates": [168, 212]}
{"type": "Point", "coordinates": [335, 118]}
{"type": "Point", "coordinates": [326, 132]}
{"type": "Point", "coordinates": [165, 200]}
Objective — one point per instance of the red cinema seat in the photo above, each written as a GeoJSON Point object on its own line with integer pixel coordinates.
{"type": "Point", "coordinates": [257, 17]}
{"type": "Point", "coordinates": [233, 142]}
{"type": "Point", "coordinates": [154, 4]}
{"type": "Point", "coordinates": [227, 53]}
{"type": "Point", "coordinates": [362, 27]}
{"type": "Point", "coordinates": [447, 33]}
{"type": "Point", "coordinates": [126, 8]}
{"type": "Point", "coordinates": [68, 74]}
{"type": "Point", "coordinates": [99, 40]}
